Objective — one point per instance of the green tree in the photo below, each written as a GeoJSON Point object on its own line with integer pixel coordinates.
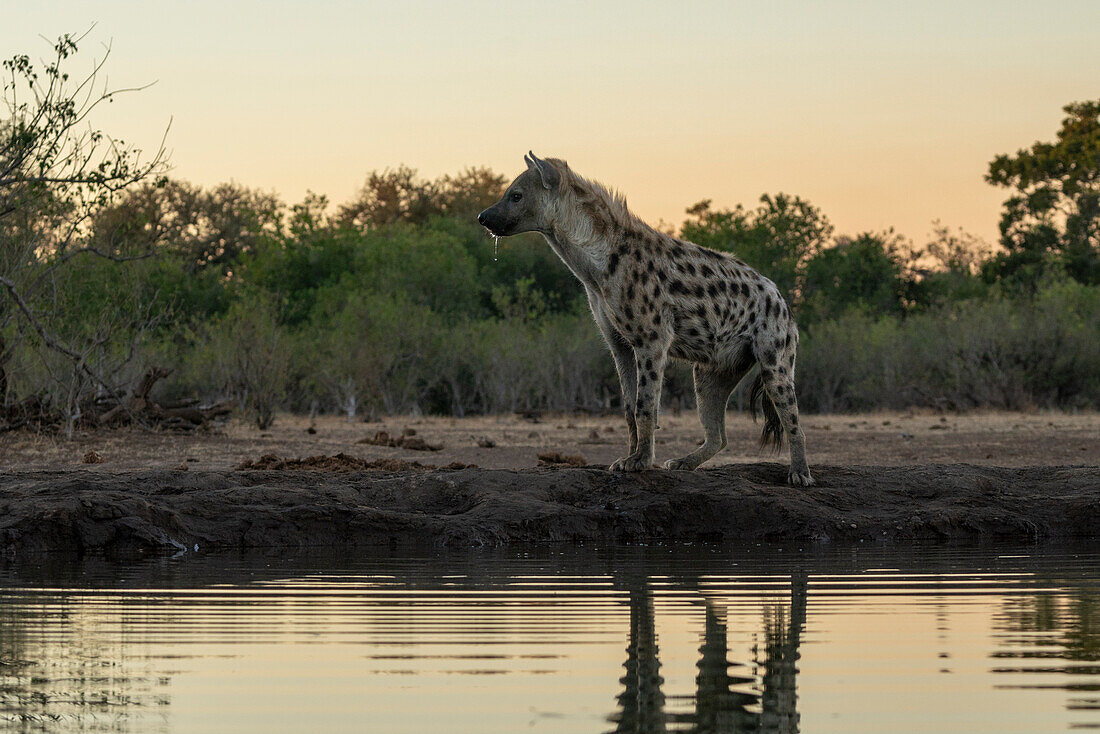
{"type": "Point", "coordinates": [209, 229]}
{"type": "Point", "coordinates": [426, 266]}
{"type": "Point", "coordinates": [1053, 216]}
{"type": "Point", "coordinates": [400, 195]}
{"type": "Point", "coordinates": [949, 267]}
{"type": "Point", "coordinates": [469, 192]}
{"type": "Point", "coordinates": [391, 196]}
{"type": "Point", "coordinates": [866, 272]}
{"type": "Point", "coordinates": [246, 353]}
{"type": "Point", "coordinates": [313, 254]}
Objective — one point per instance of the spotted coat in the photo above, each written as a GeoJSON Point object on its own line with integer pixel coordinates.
{"type": "Point", "coordinates": [656, 297]}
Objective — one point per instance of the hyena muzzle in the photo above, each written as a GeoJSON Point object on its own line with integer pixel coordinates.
{"type": "Point", "coordinates": [655, 298]}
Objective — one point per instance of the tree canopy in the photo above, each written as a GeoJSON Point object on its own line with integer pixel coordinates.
{"type": "Point", "coordinates": [1053, 214]}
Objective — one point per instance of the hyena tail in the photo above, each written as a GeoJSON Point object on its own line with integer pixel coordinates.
{"type": "Point", "coordinates": [759, 402]}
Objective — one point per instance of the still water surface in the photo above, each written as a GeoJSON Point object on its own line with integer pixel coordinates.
{"type": "Point", "coordinates": [656, 639]}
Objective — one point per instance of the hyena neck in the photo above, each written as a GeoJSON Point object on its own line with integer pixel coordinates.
{"type": "Point", "coordinates": [589, 236]}
{"type": "Point", "coordinates": [586, 257]}
{"type": "Point", "coordinates": [589, 224]}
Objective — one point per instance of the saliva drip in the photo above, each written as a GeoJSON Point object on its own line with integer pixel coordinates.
{"type": "Point", "coordinates": [496, 246]}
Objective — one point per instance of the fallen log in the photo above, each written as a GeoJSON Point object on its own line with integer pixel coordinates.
{"type": "Point", "coordinates": [137, 408]}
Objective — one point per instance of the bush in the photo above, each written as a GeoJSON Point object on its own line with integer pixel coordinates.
{"type": "Point", "coordinates": [245, 354]}
{"type": "Point", "coordinates": [1013, 353]}
{"type": "Point", "coordinates": [113, 337]}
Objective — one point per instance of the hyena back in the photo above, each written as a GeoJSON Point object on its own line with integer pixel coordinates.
{"type": "Point", "coordinates": [655, 298]}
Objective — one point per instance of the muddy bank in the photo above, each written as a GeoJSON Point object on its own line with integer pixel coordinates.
{"type": "Point", "coordinates": [86, 510]}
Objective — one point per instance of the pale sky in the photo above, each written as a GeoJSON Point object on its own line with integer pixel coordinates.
{"type": "Point", "coordinates": [880, 113]}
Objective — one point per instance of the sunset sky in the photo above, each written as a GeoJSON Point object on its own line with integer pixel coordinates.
{"type": "Point", "coordinates": [880, 113]}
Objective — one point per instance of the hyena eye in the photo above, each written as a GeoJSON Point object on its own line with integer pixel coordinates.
{"type": "Point", "coordinates": [515, 196]}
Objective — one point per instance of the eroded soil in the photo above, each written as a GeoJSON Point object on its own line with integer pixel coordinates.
{"type": "Point", "coordinates": [85, 510]}
{"type": "Point", "coordinates": [888, 477]}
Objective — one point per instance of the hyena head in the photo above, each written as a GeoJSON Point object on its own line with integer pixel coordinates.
{"type": "Point", "coordinates": [528, 204]}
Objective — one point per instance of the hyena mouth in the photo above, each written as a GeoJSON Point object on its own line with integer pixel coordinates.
{"type": "Point", "coordinates": [498, 229]}
{"type": "Point", "coordinates": [496, 225]}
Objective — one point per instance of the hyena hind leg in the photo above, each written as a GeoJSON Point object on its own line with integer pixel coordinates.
{"type": "Point", "coordinates": [780, 389]}
{"type": "Point", "coordinates": [712, 391]}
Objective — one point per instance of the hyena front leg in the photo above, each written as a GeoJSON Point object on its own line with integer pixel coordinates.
{"type": "Point", "coordinates": [649, 363]}
{"type": "Point", "coordinates": [623, 354]}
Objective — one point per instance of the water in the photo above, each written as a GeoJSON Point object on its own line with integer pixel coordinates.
{"type": "Point", "coordinates": [557, 640]}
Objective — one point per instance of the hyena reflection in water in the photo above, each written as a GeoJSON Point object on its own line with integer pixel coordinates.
{"type": "Point", "coordinates": [656, 297]}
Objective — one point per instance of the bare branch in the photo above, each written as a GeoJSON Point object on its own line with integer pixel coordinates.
{"type": "Point", "coordinates": [56, 172]}
{"type": "Point", "coordinates": [49, 340]}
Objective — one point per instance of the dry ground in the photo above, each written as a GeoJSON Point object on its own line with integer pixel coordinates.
{"type": "Point", "coordinates": [897, 438]}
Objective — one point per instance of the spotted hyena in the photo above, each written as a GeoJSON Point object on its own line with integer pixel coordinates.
{"type": "Point", "coordinates": [656, 297]}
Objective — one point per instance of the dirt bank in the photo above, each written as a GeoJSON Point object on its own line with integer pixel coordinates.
{"type": "Point", "coordinates": [88, 510]}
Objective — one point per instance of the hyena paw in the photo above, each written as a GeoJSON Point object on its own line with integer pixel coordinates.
{"type": "Point", "coordinates": [800, 477]}
{"type": "Point", "coordinates": [684, 464]}
{"type": "Point", "coordinates": [631, 463]}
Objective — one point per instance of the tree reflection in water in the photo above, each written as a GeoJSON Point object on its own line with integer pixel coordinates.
{"type": "Point", "coordinates": [723, 703]}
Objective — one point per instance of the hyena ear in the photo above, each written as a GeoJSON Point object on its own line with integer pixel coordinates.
{"type": "Point", "coordinates": [549, 175]}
